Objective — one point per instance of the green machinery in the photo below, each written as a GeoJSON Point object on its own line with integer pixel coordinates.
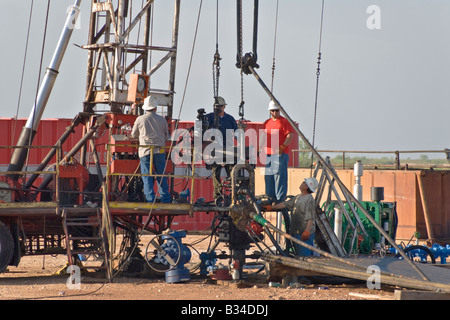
{"type": "Point", "coordinates": [348, 227]}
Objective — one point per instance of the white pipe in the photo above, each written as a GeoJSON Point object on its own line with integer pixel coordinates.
{"type": "Point", "coordinates": [338, 223]}
{"type": "Point", "coordinates": [52, 71]}
{"type": "Point", "coordinates": [357, 188]}
{"type": "Point", "coordinates": [29, 130]}
{"type": "Point", "coordinates": [279, 225]}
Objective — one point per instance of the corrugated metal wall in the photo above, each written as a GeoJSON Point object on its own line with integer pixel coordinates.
{"type": "Point", "coordinates": [50, 130]}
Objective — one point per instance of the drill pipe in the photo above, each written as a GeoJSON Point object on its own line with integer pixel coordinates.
{"type": "Point", "coordinates": [390, 279]}
{"type": "Point", "coordinates": [29, 130]}
{"type": "Point", "coordinates": [259, 219]}
{"type": "Point", "coordinates": [99, 122]}
{"type": "Point", "coordinates": [262, 221]}
{"type": "Point", "coordinates": [52, 152]}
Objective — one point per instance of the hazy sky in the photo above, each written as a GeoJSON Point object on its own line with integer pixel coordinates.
{"type": "Point", "coordinates": [380, 89]}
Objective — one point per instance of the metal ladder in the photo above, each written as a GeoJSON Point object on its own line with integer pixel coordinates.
{"type": "Point", "coordinates": [85, 240]}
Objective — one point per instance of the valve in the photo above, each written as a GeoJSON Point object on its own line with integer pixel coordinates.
{"type": "Point", "coordinates": [441, 252]}
{"type": "Point", "coordinates": [169, 257]}
{"type": "Point", "coordinates": [417, 251]}
{"type": "Point", "coordinates": [208, 263]}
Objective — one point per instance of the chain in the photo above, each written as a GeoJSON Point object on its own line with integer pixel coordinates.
{"type": "Point", "coordinates": [274, 46]}
{"type": "Point", "coordinates": [241, 106]}
{"type": "Point", "coordinates": [216, 73]}
{"type": "Point", "coordinates": [319, 58]}
{"type": "Point", "coordinates": [217, 58]}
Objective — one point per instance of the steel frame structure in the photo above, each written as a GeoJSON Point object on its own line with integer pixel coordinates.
{"type": "Point", "coordinates": [111, 56]}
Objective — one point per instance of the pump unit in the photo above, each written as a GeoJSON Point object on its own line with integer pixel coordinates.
{"type": "Point", "coordinates": [384, 213]}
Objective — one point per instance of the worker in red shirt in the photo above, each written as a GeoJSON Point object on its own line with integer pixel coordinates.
{"type": "Point", "coordinates": [274, 143]}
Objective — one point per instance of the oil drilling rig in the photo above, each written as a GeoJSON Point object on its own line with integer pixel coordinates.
{"type": "Point", "coordinates": [63, 207]}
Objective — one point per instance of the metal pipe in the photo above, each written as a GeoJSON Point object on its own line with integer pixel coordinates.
{"type": "Point", "coordinates": [257, 217]}
{"type": "Point", "coordinates": [147, 26]}
{"type": "Point", "coordinates": [100, 121]}
{"type": "Point", "coordinates": [97, 162]}
{"type": "Point", "coordinates": [338, 223]}
{"type": "Point", "coordinates": [267, 224]}
{"type": "Point", "coordinates": [255, 29]}
{"type": "Point", "coordinates": [173, 58]}
{"type": "Point", "coordinates": [52, 70]}
{"type": "Point", "coordinates": [357, 188]}
{"type": "Point", "coordinates": [239, 33]}
{"type": "Point", "coordinates": [29, 130]}
{"type": "Point", "coordinates": [335, 176]}
{"type": "Point", "coordinates": [52, 152]}
{"type": "Point", "coordinates": [385, 278]}
{"type": "Point", "coordinates": [117, 54]}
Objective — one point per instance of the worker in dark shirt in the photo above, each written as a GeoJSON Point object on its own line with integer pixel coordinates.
{"type": "Point", "coordinates": [222, 121]}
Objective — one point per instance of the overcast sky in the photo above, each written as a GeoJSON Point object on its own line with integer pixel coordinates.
{"type": "Point", "coordinates": [384, 82]}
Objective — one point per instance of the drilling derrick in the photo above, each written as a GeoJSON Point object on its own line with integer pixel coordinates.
{"type": "Point", "coordinates": [118, 80]}
{"type": "Point", "coordinates": [118, 45]}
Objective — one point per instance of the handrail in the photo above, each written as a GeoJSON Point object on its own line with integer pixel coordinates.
{"type": "Point", "coordinates": [397, 163]}
{"type": "Point", "coordinates": [54, 172]}
{"type": "Point", "coordinates": [109, 162]}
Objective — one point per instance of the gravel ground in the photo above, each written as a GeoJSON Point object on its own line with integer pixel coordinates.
{"type": "Point", "coordinates": [41, 278]}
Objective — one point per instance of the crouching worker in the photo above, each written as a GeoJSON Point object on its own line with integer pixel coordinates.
{"type": "Point", "coordinates": [303, 211]}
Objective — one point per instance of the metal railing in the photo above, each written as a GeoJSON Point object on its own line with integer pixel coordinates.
{"type": "Point", "coordinates": [34, 173]}
{"type": "Point", "coordinates": [135, 173]}
{"type": "Point", "coordinates": [394, 163]}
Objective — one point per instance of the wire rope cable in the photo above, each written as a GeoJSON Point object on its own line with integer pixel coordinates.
{"type": "Point", "coordinates": [23, 71]}
{"type": "Point", "coordinates": [38, 81]}
{"type": "Point", "coordinates": [274, 46]}
{"type": "Point", "coordinates": [319, 58]}
{"type": "Point", "coordinates": [217, 58]}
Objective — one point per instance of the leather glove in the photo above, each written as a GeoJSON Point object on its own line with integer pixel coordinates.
{"type": "Point", "coordinates": [305, 235]}
{"type": "Point", "coordinates": [267, 207]}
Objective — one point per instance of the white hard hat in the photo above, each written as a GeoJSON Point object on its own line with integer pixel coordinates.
{"type": "Point", "coordinates": [272, 106]}
{"type": "Point", "coordinates": [221, 101]}
{"type": "Point", "coordinates": [150, 103]}
{"type": "Point", "coordinates": [312, 183]}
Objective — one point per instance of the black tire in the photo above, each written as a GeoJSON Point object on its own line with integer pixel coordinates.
{"type": "Point", "coordinates": [6, 247]}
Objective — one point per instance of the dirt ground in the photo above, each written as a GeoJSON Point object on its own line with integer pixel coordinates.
{"type": "Point", "coordinates": [37, 278]}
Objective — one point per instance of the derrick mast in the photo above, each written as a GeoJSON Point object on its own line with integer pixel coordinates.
{"type": "Point", "coordinates": [118, 45]}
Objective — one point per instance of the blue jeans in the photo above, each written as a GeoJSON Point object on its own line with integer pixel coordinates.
{"type": "Point", "coordinates": [301, 250]}
{"type": "Point", "coordinates": [276, 176]}
{"type": "Point", "coordinates": [159, 162]}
